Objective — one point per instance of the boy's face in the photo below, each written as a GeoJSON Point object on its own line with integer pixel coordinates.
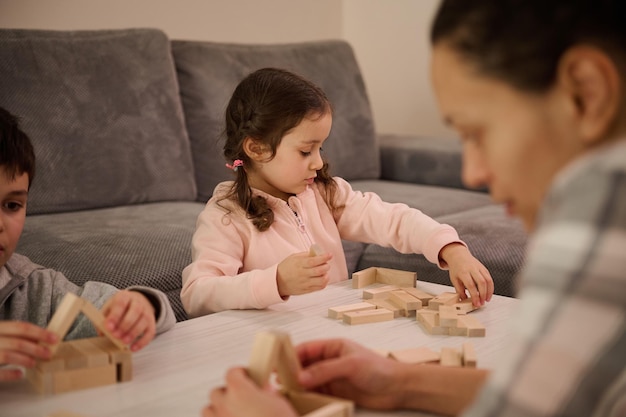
{"type": "Point", "coordinates": [13, 198]}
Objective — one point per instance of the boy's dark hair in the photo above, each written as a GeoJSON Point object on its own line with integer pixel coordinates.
{"type": "Point", "coordinates": [16, 151]}
{"type": "Point", "coordinates": [265, 106]}
{"type": "Point", "coordinates": [521, 41]}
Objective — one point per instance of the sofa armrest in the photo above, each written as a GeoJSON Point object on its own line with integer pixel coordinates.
{"type": "Point", "coordinates": [421, 160]}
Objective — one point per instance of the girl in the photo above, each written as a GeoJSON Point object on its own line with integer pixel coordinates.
{"type": "Point", "coordinates": [250, 248]}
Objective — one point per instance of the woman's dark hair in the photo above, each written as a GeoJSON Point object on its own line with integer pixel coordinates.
{"type": "Point", "coordinates": [521, 41]}
{"type": "Point", "coordinates": [16, 151]}
{"type": "Point", "coordinates": [266, 105]}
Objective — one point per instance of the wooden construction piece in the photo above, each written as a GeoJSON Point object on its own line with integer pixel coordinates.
{"type": "Point", "coordinates": [465, 306]}
{"type": "Point", "coordinates": [337, 312]}
{"type": "Point", "coordinates": [423, 296]}
{"type": "Point", "coordinates": [396, 277]}
{"type": "Point", "coordinates": [97, 318]}
{"type": "Point", "coordinates": [64, 317]}
{"type": "Point", "coordinates": [447, 316]}
{"type": "Point", "coordinates": [388, 305]}
{"type": "Point", "coordinates": [312, 404]}
{"type": "Point", "coordinates": [368, 316]}
{"type": "Point", "coordinates": [415, 355]}
{"type": "Point", "coordinates": [450, 357]}
{"type": "Point", "coordinates": [474, 327]}
{"type": "Point", "coordinates": [469, 355]}
{"type": "Point", "coordinates": [430, 322]}
{"type": "Point", "coordinates": [446, 298]}
{"type": "Point", "coordinates": [364, 278]}
{"type": "Point", "coordinates": [288, 365]}
{"type": "Point", "coordinates": [380, 292]}
{"type": "Point", "coordinates": [315, 250]}
{"type": "Point", "coordinates": [405, 300]}
{"type": "Point", "coordinates": [265, 352]}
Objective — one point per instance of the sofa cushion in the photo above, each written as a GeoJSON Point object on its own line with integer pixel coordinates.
{"type": "Point", "coordinates": [103, 111]}
{"type": "Point", "coordinates": [208, 73]}
{"type": "Point", "coordinates": [143, 244]}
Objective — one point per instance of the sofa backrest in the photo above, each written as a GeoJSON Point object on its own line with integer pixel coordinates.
{"type": "Point", "coordinates": [208, 73]}
{"type": "Point", "coordinates": [103, 111]}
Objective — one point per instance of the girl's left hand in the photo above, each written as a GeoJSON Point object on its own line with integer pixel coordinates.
{"type": "Point", "coordinates": [129, 316]}
{"type": "Point", "coordinates": [241, 397]}
{"type": "Point", "coordinates": [467, 273]}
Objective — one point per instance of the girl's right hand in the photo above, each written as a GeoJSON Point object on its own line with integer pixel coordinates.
{"type": "Point", "coordinates": [301, 273]}
{"type": "Point", "coordinates": [20, 345]}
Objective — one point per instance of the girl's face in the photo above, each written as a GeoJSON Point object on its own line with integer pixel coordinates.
{"type": "Point", "coordinates": [297, 160]}
{"type": "Point", "coordinates": [513, 142]}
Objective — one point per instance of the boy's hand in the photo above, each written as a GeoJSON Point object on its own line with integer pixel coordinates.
{"type": "Point", "coordinates": [466, 272]}
{"type": "Point", "coordinates": [20, 345]}
{"type": "Point", "coordinates": [302, 273]}
{"type": "Point", "coordinates": [129, 316]}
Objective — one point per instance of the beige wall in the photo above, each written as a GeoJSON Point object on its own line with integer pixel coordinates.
{"type": "Point", "coordinates": [389, 37]}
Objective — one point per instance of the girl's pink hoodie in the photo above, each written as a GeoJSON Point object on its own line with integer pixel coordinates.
{"type": "Point", "coordinates": [234, 265]}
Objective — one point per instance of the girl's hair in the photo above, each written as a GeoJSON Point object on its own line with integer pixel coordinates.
{"type": "Point", "coordinates": [265, 106]}
{"type": "Point", "coordinates": [16, 151]}
{"type": "Point", "coordinates": [520, 42]}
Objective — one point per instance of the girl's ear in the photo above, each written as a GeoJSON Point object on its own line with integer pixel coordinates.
{"type": "Point", "coordinates": [255, 150]}
{"type": "Point", "coordinates": [593, 83]}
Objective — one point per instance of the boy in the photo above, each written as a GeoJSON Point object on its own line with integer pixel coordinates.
{"type": "Point", "coordinates": [29, 293]}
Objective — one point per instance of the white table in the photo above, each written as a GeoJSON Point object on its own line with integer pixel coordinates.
{"type": "Point", "coordinates": [173, 375]}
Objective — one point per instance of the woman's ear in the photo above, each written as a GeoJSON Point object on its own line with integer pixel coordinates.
{"type": "Point", "coordinates": [593, 82]}
{"type": "Point", "coordinates": [255, 150]}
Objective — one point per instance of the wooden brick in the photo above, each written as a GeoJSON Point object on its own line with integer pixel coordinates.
{"type": "Point", "coordinates": [388, 305]}
{"type": "Point", "coordinates": [405, 300]}
{"type": "Point", "coordinates": [95, 356]}
{"type": "Point", "coordinates": [474, 327]}
{"type": "Point", "coordinates": [315, 250]}
{"type": "Point", "coordinates": [396, 277]}
{"type": "Point", "coordinates": [380, 292]}
{"type": "Point", "coordinates": [265, 351]}
{"type": "Point", "coordinates": [469, 355]}
{"type": "Point", "coordinates": [446, 298]}
{"type": "Point", "coordinates": [423, 296]}
{"type": "Point", "coordinates": [288, 364]}
{"type": "Point", "coordinates": [337, 312]}
{"type": "Point", "coordinates": [447, 316]}
{"type": "Point", "coordinates": [465, 306]}
{"type": "Point", "coordinates": [450, 357]}
{"type": "Point", "coordinates": [76, 379]}
{"type": "Point", "coordinates": [430, 322]}
{"type": "Point", "coordinates": [312, 404]}
{"type": "Point", "coordinates": [368, 316]}
{"type": "Point", "coordinates": [97, 318]}
{"type": "Point", "coordinates": [64, 317]}
{"type": "Point", "coordinates": [415, 355]}
{"type": "Point", "coordinates": [364, 278]}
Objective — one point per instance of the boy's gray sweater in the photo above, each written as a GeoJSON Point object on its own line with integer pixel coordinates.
{"type": "Point", "coordinates": [30, 292]}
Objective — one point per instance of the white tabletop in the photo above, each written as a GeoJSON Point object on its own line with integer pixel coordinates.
{"type": "Point", "coordinates": [173, 375]}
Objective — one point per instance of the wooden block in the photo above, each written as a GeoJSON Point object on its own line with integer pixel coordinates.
{"type": "Point", "coordinates": [430, 322]}
{"type": "Point", "coordinates": [97, 318]}
{"type": "Point", "coordinates": [265, 351]}
{"type": "Point", "coordinates": [39, 380]}
{"type": "Point", "coordinates": [315, 250]}
{"type": "Point", "coordinates": [396, 277]}
{"type": "Point", "coordinates": [423, 296]}
{"type": "Point", "coordinates": [465, 306]}
{"type": "Point", "coordinates": [457, 331]}
{"type": "Point", "coordinates": [73, 358]}
{"type": "Point", "coordinates": [450, 357]}
{"type": "Point", "coordinates": [122, 359]}
{"type": "Point", "coordinates": [447, 316]}
{"type": "Point", "coordinates": [469, 355]}
{"type": "Point", "coordinates": [388, 305]}
{"type": "Point", "coordinates": [368, 316]}
{"type": "Point", "coordinates": [380, 292]}
{"type": "Point", "coordinates": [474, 327]}
{"type": "Point", "coordinates": [446, 298]}
{"type": "Point", "coordinates": [312, 404]}
{"type": "Point", "coordinates": [337, 312]}
{"type": "Point", "coordinates": [94, 355]}
{"type": "Point", "coordinates": [415, 355]}
{"type": "Point", "coordinates": [75, 379]}
{"type": "Point", "coordinates": [64, 317]}
{"type": "Point", "coordinates": [405, 300]}
{"type": "Point", "coordinates": [288, 364]}
{"type": "Point", "coordinates": [364, 278]}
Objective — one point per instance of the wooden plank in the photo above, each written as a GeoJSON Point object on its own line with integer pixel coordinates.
{"type": "Point", "coordinates": [265, 351]}
{"type": "Point", "coordinates": [396, 277]}
{"type": "Point", "coordinates": [337, 312]}
{"type": "Point", "coordinates": [450, 357]}
{"type": "Point", "coordinates": [415, 355]}
{"type": "Point", "coordinates": [364, 278]}
{"type": "Point", "coordinates": [380, 292]}
{"type": "Point", "coordinates": [368, 316]}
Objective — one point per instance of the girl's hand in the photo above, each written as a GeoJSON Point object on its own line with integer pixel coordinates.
{"type": "Point", "coordinates": [343, 368]}
{"type": "Point", "coordinates": [20, 345]}
{"type": "Point", "coordinates": [241, 397]}
{"type": "Point", "coordinates": [130, 317]}
{"type": "Point", "coordinates": [466, 272]}
{"type": "Point", "coordinates": [301, 273]}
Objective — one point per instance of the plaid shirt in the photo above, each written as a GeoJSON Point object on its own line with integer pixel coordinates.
{"type": "Point", "coordinates": [566, 354]}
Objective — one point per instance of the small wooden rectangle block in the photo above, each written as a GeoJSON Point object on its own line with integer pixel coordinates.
{"type": "Point", "coordinates": [64, 317]}
{"type": "Point", "coordinates": [97, 318]}
{"type": "Point", "coordinates": [315, 250]}
{"type": "Point", "coordinates": [76, 379]}
{"type": "Point", "coordinates": [423, 296]}
{"type": "Point", "coordinates": [405, 300]}
{"type": "Point", "coordinates": [446, 298]}
{"type": "Point", "coordinates": [465, 306]}
{"type": "Point", "coordinates": [338, 312]}
{"type": "Point", "coordinates": [396, 277]}
{"type": "Point", "coordinates": [450, 357]}
{"type": "Point", "coordinates": [364, 278]}
{"type": "Point", "coordinates": [368, 316]}
{"type": "Point", "coordinates": [265, 351]}
{"type": "Point", "coordinates": [447, 316]}
{"type": "Point", "coordinates": [415, 355]}
{"type": "Point", "coordinates": [380, 292]}
{"type": "Point", "coordinates": [430, 322]}
{"type": "Point", "coordinates": [312, 404]}
{"type": "Point", "coordinates": [388, 305]}
{"type": "Point", "coordinates": [469, 355]}
{"type": "Point", "coordinates": [474, 327]}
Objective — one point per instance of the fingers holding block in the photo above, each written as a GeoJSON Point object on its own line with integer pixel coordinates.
{"type": "Point", "coordinates": [315, 250]}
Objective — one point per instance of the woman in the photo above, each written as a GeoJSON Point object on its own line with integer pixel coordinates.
{"type": "Point", "coordinates": [537, 91]}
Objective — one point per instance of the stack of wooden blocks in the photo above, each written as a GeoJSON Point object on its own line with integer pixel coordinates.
{"type": "Point", "coordinates": [273, 350]}
{"type": "Point", "coordinates": [83, 363]}
{"type": "Point", "coordinates": [442, 314]}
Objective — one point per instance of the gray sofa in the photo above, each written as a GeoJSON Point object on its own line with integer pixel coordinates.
{"type": "Point", "coordinates": [126, 127]}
